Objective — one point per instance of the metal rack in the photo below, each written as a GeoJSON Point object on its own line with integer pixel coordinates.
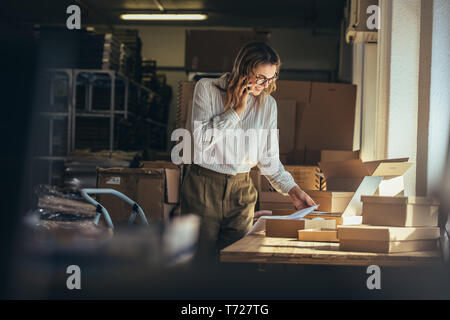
{"type": "Point", "coordinates": [87, 108]}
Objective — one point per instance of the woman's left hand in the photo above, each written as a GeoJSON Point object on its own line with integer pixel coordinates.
{"type": "Point", "coordinates": [300, 198]}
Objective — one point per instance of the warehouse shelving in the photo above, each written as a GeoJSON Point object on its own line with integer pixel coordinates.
{"type": "Point", "coordinates": [122, 91]}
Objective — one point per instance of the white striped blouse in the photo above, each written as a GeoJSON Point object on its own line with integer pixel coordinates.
{"type": "Point", "coordinates": [211, 126]}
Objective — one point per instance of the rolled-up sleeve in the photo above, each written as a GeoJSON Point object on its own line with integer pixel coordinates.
{"type": "Point", "coordinates": [207, 128]}
{"type": "Point", "coordinates": [269, 160]}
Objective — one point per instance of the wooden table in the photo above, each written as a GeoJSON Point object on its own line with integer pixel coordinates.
{"type": "Point", "coordinates": [257, 248]}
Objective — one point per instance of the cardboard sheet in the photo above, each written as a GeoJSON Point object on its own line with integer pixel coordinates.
{"type": "Point", "coordinates": [260, 225]}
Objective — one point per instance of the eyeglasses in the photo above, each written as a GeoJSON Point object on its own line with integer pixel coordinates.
{"type": "Point", "coordinates": [262, 80]}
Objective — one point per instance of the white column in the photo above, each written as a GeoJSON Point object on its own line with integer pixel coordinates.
{"type": "Point", "coordinates": [404, 81]}
{"type": "Point", "coordinates": [439, 115]}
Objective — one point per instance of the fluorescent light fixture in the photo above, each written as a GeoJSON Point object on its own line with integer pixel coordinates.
{"type": "Point", "coordinates": [163, 16]}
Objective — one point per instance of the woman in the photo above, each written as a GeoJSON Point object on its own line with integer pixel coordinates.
{"type": "Point", "coordinates": [222, 192]}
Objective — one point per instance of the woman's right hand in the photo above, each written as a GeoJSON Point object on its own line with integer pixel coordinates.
{"type": "Point", "coordinates": [243, 94]}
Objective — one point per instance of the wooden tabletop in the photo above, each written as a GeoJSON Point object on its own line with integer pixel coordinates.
{"type": "Point", "coordinates": [257, 248]}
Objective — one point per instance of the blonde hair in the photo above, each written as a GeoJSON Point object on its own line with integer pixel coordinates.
{"type": "Point", "coordinates": [249, 57]}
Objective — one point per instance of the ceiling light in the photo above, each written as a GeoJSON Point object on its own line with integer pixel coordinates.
{"type": "Point", "coordinates": [163, 16]}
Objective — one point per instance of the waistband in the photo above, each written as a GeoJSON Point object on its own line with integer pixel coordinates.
{"type": "Point", "coordinates": [217, 175]}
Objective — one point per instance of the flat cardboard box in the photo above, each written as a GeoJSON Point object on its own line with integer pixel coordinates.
{"type": "Point", "coordinates": [289, 228]}
{"type": "Point", "coordinates": [338, 155]}
{"type": "Point", "coordinates": [152, 188]}
{"type": "Point", "coordinates": [319, 235]}
{"type": "Point", "coordinates": [347, 175]}
{"type": "Point", "coordinates": [384, 233]}
{"type": "Point", "coordinates": [331, 201]}
{"type": "Point", "coordinates": [387, 246]}
{"type": "Point", "coordinates": [400, 211]}
{"type": "Point", "coordinates": [215, 50]}
{"type": "Point", "coordinates": [286, 111]}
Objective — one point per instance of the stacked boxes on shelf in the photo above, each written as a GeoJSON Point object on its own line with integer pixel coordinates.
{"type": "Point", "coordinates": [111, 52]}
{"type": "Point", "coordinates": [131, 58]}
{"type": "Point", "coordinates": [148, 72]}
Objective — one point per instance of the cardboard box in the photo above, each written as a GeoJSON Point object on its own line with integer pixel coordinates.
{"type": "Point", "coordinates": [384, 233]}
{"type": "Point", "coordinates": [269, 200]}
{"type": "Point", "coordinates": [284, 228]}
{"type": "Point", "coordinates": [387, 246]}
{"type": "Point", "coordinates": [331, 201]}
{"type": "Point", "coordinates": [317, 106]}
{"type": "Point", "coordinates": [338, 155]}
{"type": "Point", "coordinates": [185, 96]}
{"type": "Point", "coordinates": [215, 50]}
{"type": "Point", "coordinates": [331, 109]}
{"type": "Point", "coordinates": [172, 178]}
{"type": "Point", "coordinates": [156, 190]}
{"type": "Point", "coordinates": [286, 118]}
{"type": "Point", "coordinates": [286, 112]}
{"type": "Point", "coordinates": [305, 176]}
{"type": "Point", "coordinates": [319, 235]}
{"type": "Point", "coordinates": [352, 213]}
{"type": "Point", "coordinates": [400, 211]}
{"type": "Point", "coordinates": [347, 175]}
{"type": "Point", "coordinates": [338, 217]}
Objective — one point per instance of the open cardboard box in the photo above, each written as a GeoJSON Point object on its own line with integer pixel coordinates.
{"type": "Point", "coordinates": [352, 214]}
{"type": "Point", "coordinates": [347, 175]}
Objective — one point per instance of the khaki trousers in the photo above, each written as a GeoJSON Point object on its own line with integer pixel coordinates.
{"type": "Point", "coordinates": [225, 203]}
